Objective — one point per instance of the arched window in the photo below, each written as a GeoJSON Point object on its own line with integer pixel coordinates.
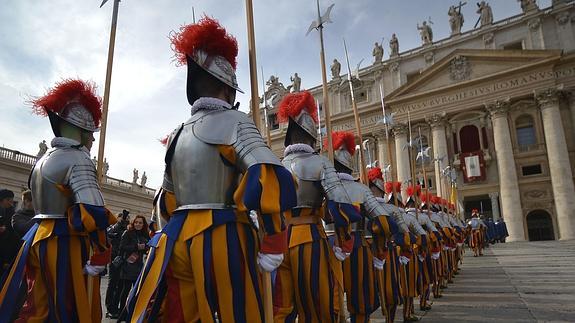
{"type": "Point", "coordinates": [525, 129]}
{"type": "Point", "coordinates": [469, 139]}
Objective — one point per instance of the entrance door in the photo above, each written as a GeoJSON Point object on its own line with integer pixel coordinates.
{"type": "Point", "coordinates": [480, 202]}
{"type": "Point", "coordinates": [540, 226]}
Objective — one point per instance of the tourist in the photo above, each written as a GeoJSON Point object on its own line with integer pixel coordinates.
{"type": "Point", "coordinates": [8, 239]}
{"type": "Point", "coordinates": [133, 248]}
{"type": "Point", "coordinates": [115, 233]}
{"type": "Point", "coordinates": [23, 219]}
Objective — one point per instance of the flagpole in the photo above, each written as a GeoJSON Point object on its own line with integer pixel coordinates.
{"type": "Point", "coordinates": [325, 105]}
{"type": "Point", "coordinates": [255, 98]}
{"type": "Point", "coordinates": [426, 190]}
{"type": "Point", "coordinates": [102, 141]}
{"type": "Point", "coordinates": [254, 102]}
{"type": "Point", "coordinates": [412, 159]}
{"type": "Point", "coordinates": [361, 167]}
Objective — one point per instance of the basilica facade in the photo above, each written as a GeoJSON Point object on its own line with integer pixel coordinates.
{"type": "Point", "coordinates": [496, 105]}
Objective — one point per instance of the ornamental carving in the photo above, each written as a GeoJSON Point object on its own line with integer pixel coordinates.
{"type": "Point", "coordinates": [548, 97]}
{"type": "Point", "coordinates": [488, 38]}
{"type": "Point", "coordinates": [459, 69]}
{"type": "Point", "coordinates": [394, 66]}
{"type": "Point", "coordinates": [429, 57]}
{"type": "Point", "coordinates": [562, 18]}
{"type": "Point", "coordinates": [399, 129]}
{"type": "Point", "coordinates": [534, 23]}
{"type": "Point", "coordinates": [437, 120]}
{"type": "Point", "coordinates": [535, 194]}
{"type": "Point", "coordinates": [498, 108]}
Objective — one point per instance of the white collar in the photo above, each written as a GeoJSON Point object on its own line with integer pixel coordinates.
{"type": "Point", "coordinates": [207, 103]}
{"type": "Point", "coordinates": [63, 142]}
{"type": "Point", "coordinates": [345, 177]}
{"type": "Point", "coordinates": [298, 148]}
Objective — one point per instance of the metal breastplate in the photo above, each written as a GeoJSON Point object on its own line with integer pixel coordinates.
{"type": "Point", "coordinates": [49, 176]}
{"type": "Point", "coordinates": [306, 168]}
{"type": "Point", "coordinates": [474, 223]}
{"type": "Point", "coordinates": [200, 178]}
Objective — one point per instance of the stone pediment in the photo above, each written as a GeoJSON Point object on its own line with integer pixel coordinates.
{"type": "Point", "coordinates": [466, 66]}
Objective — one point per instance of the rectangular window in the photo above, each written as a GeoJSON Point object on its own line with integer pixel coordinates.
{"type": "Point", "coordinates": [526, 136]}
{"type": "Point", "coordinates": [412, 76]}
{"type": "Point", "coordinates": [531, 170]}
{"type": "Point", "coordinates": [513, 46]}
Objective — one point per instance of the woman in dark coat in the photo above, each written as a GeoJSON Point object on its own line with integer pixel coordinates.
{"type": "Point", "coordinates": [133, 247]}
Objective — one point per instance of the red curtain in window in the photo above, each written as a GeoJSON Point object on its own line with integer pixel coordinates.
{"type": "Point", "coordinates": [469, 138]}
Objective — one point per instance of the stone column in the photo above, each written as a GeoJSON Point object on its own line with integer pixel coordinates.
{"type": "Point", "coordinates": [508, 186]}
{"type": "Point", "coordinates": [559, 164]}
{"type": "Point", "coordinates": [495, 205]}
{"type": "Point", "coordinates": [401, 155]}
{"type": "Point", "coordinates": [571, 96]}
{"type": "Point", "coordinates": [382, 153]}
{"type": "Point", "coordinates": [437, 123]}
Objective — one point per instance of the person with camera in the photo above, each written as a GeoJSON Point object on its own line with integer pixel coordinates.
{"type": "Point", "coordinates": [133, 247]}
{"type": "Point", "coordinates": [115, 233]}
{"type": "Point", "coordinates": [8, 239]}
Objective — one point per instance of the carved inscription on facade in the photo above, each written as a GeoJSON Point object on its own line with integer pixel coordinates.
{"type": "Point", "coordinates": [487, 90]}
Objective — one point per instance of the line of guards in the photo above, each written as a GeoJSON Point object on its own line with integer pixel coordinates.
{"type": "Point", "coordinates": [205, 262]}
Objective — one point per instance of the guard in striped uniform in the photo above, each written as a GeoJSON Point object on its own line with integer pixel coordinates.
{"type": "Point", "coordinates": [440, 271]}
{"type": "Point", "coordinates": [410, 259]}
{"type": "Point", "coordinates": [203, 265]}
{"type": "Point", "coordinates": [428, 258]}
{"type": "Point", "coordinates": [309, 281]}
{"type": "Point", "coordinates": [388, 194]}
{"type": "Point", "coordinates": [65, 252]}
{"type": "Point", "coordinates": [358, 270]}
{"type": "Point", "coordinates": [476, 236]}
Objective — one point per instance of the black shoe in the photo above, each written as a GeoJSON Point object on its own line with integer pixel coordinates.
{"type": "Point", "coordinates": [112, 315]}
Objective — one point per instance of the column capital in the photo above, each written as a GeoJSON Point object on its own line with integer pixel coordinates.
{"type": "Point", "coordinates": [399, 129]}
{"type": "Point", "coordinates": [437, 120]}
{"type": "Point", "coordinates": [493, 195]}
{"type": "Point", "coordinates": [549, 97]}
{"type": "Point", "coordinates": [498, 108]}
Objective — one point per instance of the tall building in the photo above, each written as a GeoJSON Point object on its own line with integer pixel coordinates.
{"type": "Point", "coordinates": [496, 104]}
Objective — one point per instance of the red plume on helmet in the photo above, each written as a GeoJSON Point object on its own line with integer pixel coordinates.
{"type": "Point", "coordinates": [413, 190]}
{"type": "Point", "coordinates": [340, 138]}
{"type": "Point", "coordinates": [389, 186]}
{"type": "Point", "coordinates": [207, 35]}
{"type": "Point", "coordinates": [375, 173]}
{"type": "Point", "coordinates": [475, 211]}
{"type": "Point", "coordinates": [435, 199]}
{"type": "Point", "coordinates": [68, 91]}
{"type": "Point", "coordinates": [424, 197]}
{"type": "Point", "coordinates": [293, 103]}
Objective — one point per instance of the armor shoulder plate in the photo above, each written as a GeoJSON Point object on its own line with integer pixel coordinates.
{"type": "Point", "coordinates": [83, 181]}
{"type": "Point", "coordinates": [305, 166]}
{"type": "Point", "coordinates": [371, 205]}
{"type": "Point", "coordinates": [331, 183]}
{"type": "Point", "coordinates": [231, 127]}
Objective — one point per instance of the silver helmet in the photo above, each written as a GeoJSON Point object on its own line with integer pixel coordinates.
{"type": "Point", "coordinates": [344, 148]}
{"type": "Point", "coordinates": [76, 114]}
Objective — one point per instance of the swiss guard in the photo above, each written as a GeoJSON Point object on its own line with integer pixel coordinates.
{"type": "Point", "coordinates": [476, 238]}
{"type": "Point", "coordinates": [311, 264]}
{"type": "Point", "coordinates": [387, 194]}
{"type": "Point", "coordinates": [203, 265]}
{"type": "Point", "coordinates": [429, 258]}
{"type": "Point", "coordinates": [358, 269]}
{"type": "Point", "coordinates": [66, 251]}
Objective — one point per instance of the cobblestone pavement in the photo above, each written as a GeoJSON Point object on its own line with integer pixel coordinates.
{"type": "Point", "coordinates": [513, 282]}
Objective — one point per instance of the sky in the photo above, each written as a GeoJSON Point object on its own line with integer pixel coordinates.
{"type": "Point", "coordinates": [42, 42]}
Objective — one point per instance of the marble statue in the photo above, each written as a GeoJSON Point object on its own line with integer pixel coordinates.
{"type": "Point", "coordinates": [426, 33]}
{"type": "Point", "coordinates": [528, 5]}
{"type": "Point", "coordinates": [135, 178]}
{"type": "Point", "coordinates": [296, 83]}
{"type": "Point", "coordinates": [394, 46]}
{"type": "Point", "coordinates": [455, 19]}
{"type": "Point", "coordinates": [485, 13]}
{"type": "Point", "coordinates": [377, 53]}
{"type": "Point", "coordinates": [105, 167]}
{"type": "Point", "coordinates": [144, 180]}
{"type": "Point", "coordinates": [335, 69]}
{"type": "Point", "coordinates": [43, 148]}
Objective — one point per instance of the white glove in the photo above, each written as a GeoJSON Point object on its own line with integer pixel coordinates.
{"type": "Point", "coordinates": [435, 255]}
{"type": "Point", "coordinates": [452, 249]}
{"type": "Point", "coordinates": [340, 254]}
{"type": "Point", "coordinates": [378, 263]}
{"type": "Point", "coordinates": [445, 248]}
{"type": "Point", "coordinates": [269, 262]}
{"type": "Point", "coordinates": [254, 217]}
{"type": "Point", "coordinates": [403, 260]}
{"type": "Point", "coordinates": [459, 244]}
{"type": "Point", "coordinates": [93, 270]}
{"type": "Point", "coordinates": [421, 258]}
